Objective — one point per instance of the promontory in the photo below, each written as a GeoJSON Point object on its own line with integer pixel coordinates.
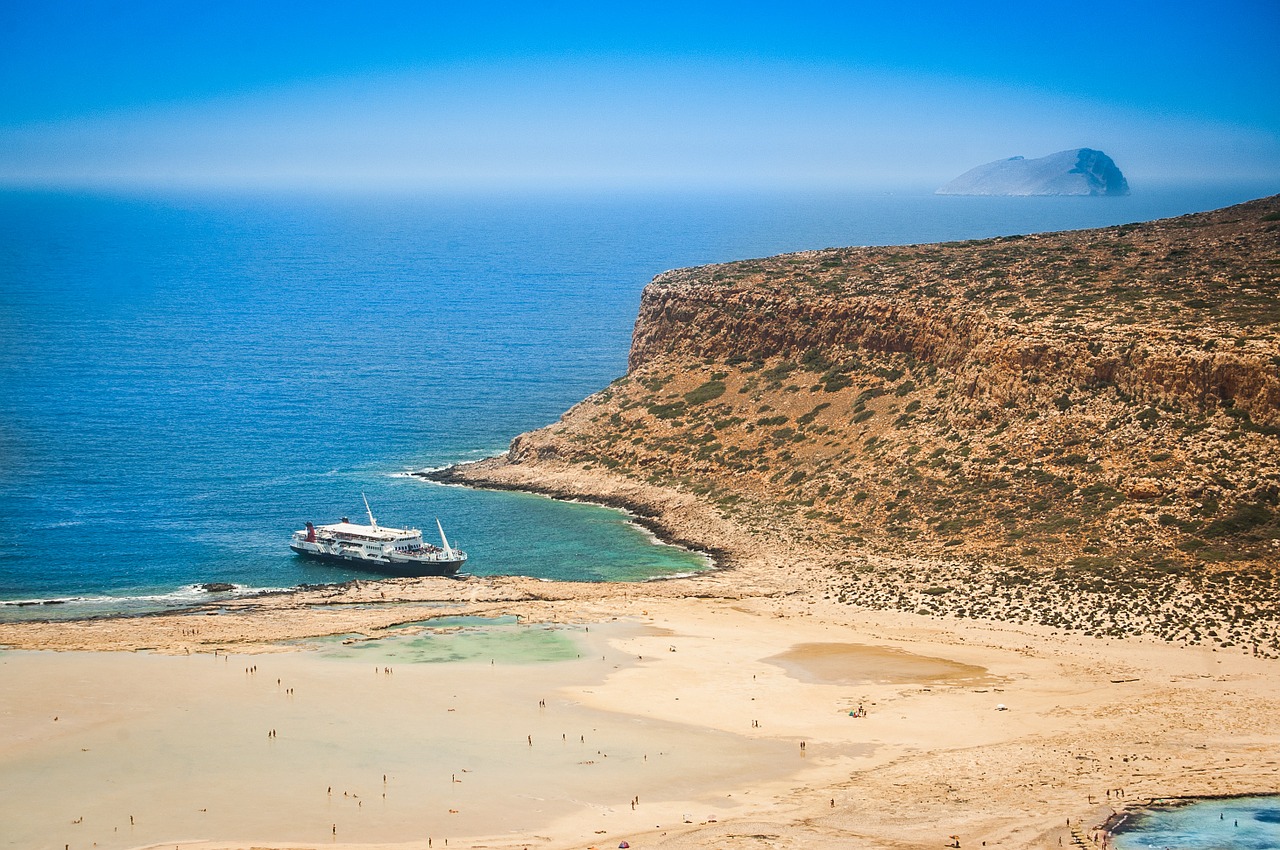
{"type": "Point", "coordinates": [1079, 429]}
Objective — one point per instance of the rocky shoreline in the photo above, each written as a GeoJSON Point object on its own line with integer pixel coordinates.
{"type": "Point", "coordinates": [639, 511]}
{"type": "Point", "coordinates": [1076, 430]}
{"type": "Point", "coordinates": [1232, 611]}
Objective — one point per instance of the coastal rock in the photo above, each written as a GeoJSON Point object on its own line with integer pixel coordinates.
{"type": "Point", "coordinates": [1081, 171]}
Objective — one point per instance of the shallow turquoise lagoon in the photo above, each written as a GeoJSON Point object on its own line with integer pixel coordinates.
{"type": "Point", "coordinates": [1238, 823]}
{"type": "Point", "coordinates": [498, 640]}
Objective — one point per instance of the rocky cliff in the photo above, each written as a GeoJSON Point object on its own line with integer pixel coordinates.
{"type": "Point", "coordinates": [1094, 412]}
{"type": "Point", "coordinates": [1081, 171]}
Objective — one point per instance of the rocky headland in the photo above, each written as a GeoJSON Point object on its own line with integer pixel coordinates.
{"type": "Point", "coordinates": [1080, 171]}
{"type": "Point", "coordinates": [1078, 429]}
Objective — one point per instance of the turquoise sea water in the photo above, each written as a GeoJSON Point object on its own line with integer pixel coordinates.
{"type": "Point", "coordinates": [1239, 823]}
{"type": "Point", "coordinates": [189, 378]}
{"type": "Point", "coordinates": [448, 639]}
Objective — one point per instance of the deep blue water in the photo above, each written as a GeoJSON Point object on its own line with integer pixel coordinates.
{"type": "Point", "coordinates": [1241, 823]}
{"type": "Point", "coordinates": [188, 378]}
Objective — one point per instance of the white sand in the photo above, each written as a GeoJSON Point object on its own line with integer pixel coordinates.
{"type": "Point", "coordinates": [708, 733]}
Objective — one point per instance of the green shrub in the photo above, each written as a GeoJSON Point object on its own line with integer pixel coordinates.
{"type": "Point", "coordinates": [835, 381]}
{"type": "Point", "coordinates": [812, 414]}
{"type": "Point", "coordinates": [708, 391]}
{"type": "Point", "coordinates": [667, 411]}
{"type": "Point", "coordinates": [1245, 518]}
{"type": "Point", "coordinates": [814, 360]}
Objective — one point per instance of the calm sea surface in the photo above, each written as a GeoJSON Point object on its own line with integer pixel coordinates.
{"type": "Point", "coordinates": [189, 378]}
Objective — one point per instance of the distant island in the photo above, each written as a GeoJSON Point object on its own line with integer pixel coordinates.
{"type": "Point", "coordinates": [1081, 171]}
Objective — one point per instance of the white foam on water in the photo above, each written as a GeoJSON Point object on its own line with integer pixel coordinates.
{"type": "Point", "coordinates": [105, 605]}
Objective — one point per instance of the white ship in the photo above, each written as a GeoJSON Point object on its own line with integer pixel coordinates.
{"type": "Point", "coordinates": [392, 551]}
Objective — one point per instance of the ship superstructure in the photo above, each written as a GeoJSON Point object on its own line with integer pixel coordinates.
{"type": "Point", "coordinates": [393, 551]}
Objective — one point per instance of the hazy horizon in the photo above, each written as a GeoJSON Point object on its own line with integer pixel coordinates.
{"type": "Point", "coordinates": [718, 97]}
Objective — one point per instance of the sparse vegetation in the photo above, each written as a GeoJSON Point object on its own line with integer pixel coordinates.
{"type": "Point", "coordinates": [1087, 416]}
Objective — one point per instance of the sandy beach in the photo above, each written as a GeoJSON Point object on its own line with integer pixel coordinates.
{"type": "Point", "coordinates": [738, 708]}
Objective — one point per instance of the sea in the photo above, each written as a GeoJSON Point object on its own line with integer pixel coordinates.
{"type": "Point", "coordinates": [189, 377]}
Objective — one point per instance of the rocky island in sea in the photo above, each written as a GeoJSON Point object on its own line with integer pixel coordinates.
{"type": "Point", "coordinates": [998, 534]}
{"type": "Point", "coordinates": [1080, 171]}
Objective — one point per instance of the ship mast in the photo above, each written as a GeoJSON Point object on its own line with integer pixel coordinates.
{"type": "Point", "coordinates": [448, 550]}
{"type": "Point", "coordinates": [373, 522]}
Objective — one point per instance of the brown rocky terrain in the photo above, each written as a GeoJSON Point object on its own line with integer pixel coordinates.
{"type": "Point", "coordinates": [1080, 429]}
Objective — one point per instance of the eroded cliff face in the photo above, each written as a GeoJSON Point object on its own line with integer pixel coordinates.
{"type": "Point", "coordinates": [1183, 313]}
{"type": "Point", "coordinates": [1002, 359]}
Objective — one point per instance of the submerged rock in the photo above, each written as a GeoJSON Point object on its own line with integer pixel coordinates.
{"type": "Point", "coordinates": [1082, 171]}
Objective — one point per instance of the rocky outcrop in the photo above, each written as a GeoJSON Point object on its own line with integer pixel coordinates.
{"type": "Point", "coordinates": [1083, 417]}
{"type": "Point", "coordinates": [1081, 171]}
{"type": "Point", "coordinates": [1107, 397]}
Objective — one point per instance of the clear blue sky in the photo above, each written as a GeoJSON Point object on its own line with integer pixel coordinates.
{"type": "Point", "coordinates": [654, 94]}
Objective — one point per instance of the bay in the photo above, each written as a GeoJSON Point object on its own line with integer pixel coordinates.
{"type": "Point", "coordinates": [189, 377]}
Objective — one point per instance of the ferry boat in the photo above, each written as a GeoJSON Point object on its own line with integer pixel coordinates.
{"type": "Point", "coordinates": [391, 551]}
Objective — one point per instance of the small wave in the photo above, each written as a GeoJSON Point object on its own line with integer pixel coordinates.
{"type": "Point", "coordinates": [668, 576]}
{"type": "Point", "coordinates": [468, 457]}
{"type": "Point", "coordinates": [57, 600]}
{"type": "Point", "coordinates": [436, 483]}
{"type": "Point", "coordinates": [414, 473]}
{"type": "Point", "coordinates": [187, 594]}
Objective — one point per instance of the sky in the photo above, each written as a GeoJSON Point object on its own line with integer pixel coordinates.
{"type": "Point", "coordinates": [619, 95]}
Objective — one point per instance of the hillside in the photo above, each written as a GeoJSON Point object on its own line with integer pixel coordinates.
{"type": "Point", "coordinates": [1076, 428]}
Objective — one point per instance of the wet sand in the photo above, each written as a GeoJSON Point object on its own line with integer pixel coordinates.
{"type": "Point", "coordinates": [133, 749]}
{"type": "Point", "coordinates": [856, 664]}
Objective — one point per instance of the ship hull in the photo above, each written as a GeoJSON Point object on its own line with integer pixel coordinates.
{"type": "Point", "coordinates": [387, 568]}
